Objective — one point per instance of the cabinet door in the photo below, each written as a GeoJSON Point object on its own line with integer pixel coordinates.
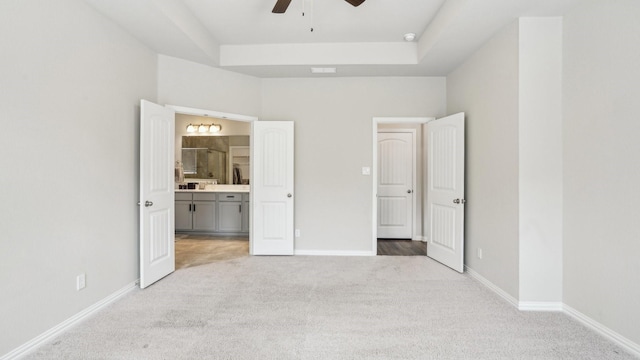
{"type": "Point", "coordinates": [204, 215]}
{"type": "Point", "coordinates": [183, 215]}
{"type": "Point", "coordinates": [230, 216]}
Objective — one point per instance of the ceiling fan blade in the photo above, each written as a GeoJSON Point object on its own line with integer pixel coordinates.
{"type": "Point", "coordinates": [355, 2]}
{"type": "Point", "coordinates": [281, 6]}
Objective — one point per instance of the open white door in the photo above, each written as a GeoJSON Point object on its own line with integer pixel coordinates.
{"type": "Point", "coordinates": [271, 230]}
{"type": "Point", "coordinates": [445, 190]}
{"type": "Point", "coordinates": [157, 136]}
{"type": "Point", "coordinates": [395, 185]}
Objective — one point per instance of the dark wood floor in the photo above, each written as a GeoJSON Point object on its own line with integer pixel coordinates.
{"type": "Point", "coordinates": [395, 247]}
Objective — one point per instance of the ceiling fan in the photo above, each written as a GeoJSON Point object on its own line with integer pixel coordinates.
{"type": "Point", "coordinates": [282, 5]}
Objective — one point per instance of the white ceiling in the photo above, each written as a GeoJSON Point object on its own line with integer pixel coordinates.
{"type": "Point", "coordinates": [245, 37]}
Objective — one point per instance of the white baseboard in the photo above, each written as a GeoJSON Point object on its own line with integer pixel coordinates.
{"type": "Point", "coordinates": [540, 306]}
{"type": "Point", "coordinates": [334, 253]}
{"type": "Point", "coordinates": [63, 326]}
{"type": "Point", "coordinates": [510, 299]}
{"type": "Point", "coordinates": [419, 238]}
{"type": "Point", "coordinates": [613, 336]}
{"type": "Point", "coordinates": [629, 345]}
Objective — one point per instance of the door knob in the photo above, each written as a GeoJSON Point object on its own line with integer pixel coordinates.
{"type": "Point", "coordinates": [289, 195]}
{"type": "Point", "coordinates": [148, 203]}
{"type": "Point", "coordinates": [456, 201]}
{"type": "Point", "coordinates": [409, 191]}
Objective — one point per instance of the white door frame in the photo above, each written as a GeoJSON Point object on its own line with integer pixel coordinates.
{"type": "Point", "coordinates": [374, 171]}
{"type": "Point", "coordinates": [220, 115]}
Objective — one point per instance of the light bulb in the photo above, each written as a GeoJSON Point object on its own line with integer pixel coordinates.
{"type": "Point", "coordinates": [191, 128]}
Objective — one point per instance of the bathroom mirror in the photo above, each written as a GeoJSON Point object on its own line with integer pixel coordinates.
{"type": "Point", "coordinates": [203, 163]}
{"type": "Point", "coordinates": [207, 157]}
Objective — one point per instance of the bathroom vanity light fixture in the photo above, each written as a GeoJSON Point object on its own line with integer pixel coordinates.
{"type": "Point", "coordinates": [203, 128]}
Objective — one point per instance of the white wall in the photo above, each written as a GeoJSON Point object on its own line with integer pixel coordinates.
{"type": "Point", "coordinates": [601, 163]}
{"type": "Point", "coordinates": [184, 83]}
{"type": "Point", "coordinates": [511, 92]}
{"type": "Point", "coordinates": [540, 160]}
{"type": "Point", "coordinates": [486, 88]}
{"type": "Point", "coordinates": [333, 141]}
{"type": "Point", "coordinates": [70, 86]}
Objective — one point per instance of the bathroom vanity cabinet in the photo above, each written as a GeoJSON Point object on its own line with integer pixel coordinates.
{"type": "Point", "coordinates": [230, 212]}
{"type": "Point", "coordinates": [223, 213]}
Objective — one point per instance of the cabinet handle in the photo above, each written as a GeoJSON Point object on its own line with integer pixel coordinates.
{"type": "Point", "coordinates": [189, 207]}
{"type": "Point", "coordinates": [239, 208]}
{"type": "Point", "coordinates": [194, 207]}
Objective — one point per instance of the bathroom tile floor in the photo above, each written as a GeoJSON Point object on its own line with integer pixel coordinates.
{"type": "Point", "coordinates": [194, 250]}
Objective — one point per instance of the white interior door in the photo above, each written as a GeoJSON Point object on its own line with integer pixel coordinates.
{"type": "Point", "coordinates": [272, 193]}
{"type": "Point", "coordinates": [157, 255]}
{"type": "Point", "coordinates": [395, 185]}
{"type": "Point", "coordinates": [445, 191]}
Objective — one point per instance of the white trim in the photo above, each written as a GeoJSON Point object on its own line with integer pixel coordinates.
{"type": "Point", "coordinates": [334, 253]}
{"type": "Point", "coordinates": [592, 324]}
{"type": "Point", "coordinates": [374, 167]}
{"type": "Point", "coordinates": [67, 324]}
{"type": "Point", "coordinates": [419, 238]}
{"type": "Point", "coordinates": [540, 306]}
{"type": "Point", "coordinates": [491, 286]}
{"type": "Point", "coordinates": [211, 113]}
{"type": "Point", "coordinates": [611, 335]}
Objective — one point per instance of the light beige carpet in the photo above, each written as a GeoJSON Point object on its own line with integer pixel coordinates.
{"type": "Point", "coordinates": [323, 308]}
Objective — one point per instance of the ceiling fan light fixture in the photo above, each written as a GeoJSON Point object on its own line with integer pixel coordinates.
{"type": "Point", "coordinates": [409, 37]}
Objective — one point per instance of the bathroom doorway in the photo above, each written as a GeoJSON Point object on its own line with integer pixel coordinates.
{"type": "Point", "coordinates": [228, 236]}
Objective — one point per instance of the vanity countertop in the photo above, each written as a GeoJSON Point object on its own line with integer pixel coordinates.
{"type": "Point", "coordinates": [219, 188]}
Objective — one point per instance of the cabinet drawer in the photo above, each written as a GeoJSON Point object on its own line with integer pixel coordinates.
{"type": "Point", "coordinates": [183, 196]}
{"type": "Point", "coordinates": [204, 196]}
{"type": "Point", "coordinates": [230, 197]}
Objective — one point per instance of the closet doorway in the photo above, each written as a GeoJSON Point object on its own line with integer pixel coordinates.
{"type": "Point", "coordinates": [439, 195]}
{"type": "Point", "coordinates": [398, 192]}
